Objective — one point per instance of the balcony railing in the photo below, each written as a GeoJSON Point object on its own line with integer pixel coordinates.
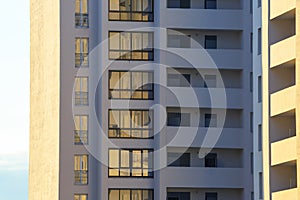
{"type": "Point", "coordinates": [80, 136]}
{"type": "Point", "coordinates": [81, 20]}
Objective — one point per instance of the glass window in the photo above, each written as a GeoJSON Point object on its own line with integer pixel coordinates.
{"type": "Point", "coordinates": [81, 90]}
{"type": "Point", "coordinates": [81, 129]}
{"type": "Point", "coordinates": [178, 196]}
{"type": "Point", "coordinates": [210, 120]}
{"type": "Point", "coordinates": [211, 196]}
{"type": "Point", "coordinates": [131, 10]}
{"type": "Point", "coordinates": [179, 4]}
{"type": "Point", "coordinates": [259, 89]}
{"type": "Point", "coordinates": [210, 42]}
{"type": "Point", "coordinates": [210, 81]}
{"type": "Point", "coordinates": [179, 159]}
{"type": "Point", "coordinates": [81, 169]}
{"type": "Point", "coordinates": [259, 43]}
{"type": "Point", "coordinates": [131, 45]}
{"type": "Point", "coordinates": [130, 124]}
{"type": "Point", "coordinates": [81, 52]}
{"type": "Point", "coordinates": [210, 4]}
{"type": "Point", "coordinates": [129, 162]}
{"type": "Point", "coordinates": [81, 14]}
{"type": "Point", "coordinates": [80, 197]}
{"type": "Point", "coordinates": [130, 194]}
{"type": "Point", "coordinates": [211, 160]}
{"type": "Point", "coordinates": [135, 85]}
{"type": "Point", "coordinates": [178, 119]}
{"type": "Point", "coordinates": [179, 80]}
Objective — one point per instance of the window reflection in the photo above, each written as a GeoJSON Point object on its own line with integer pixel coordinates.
{"type": "Point", "coordinates": [130, 194]}
{"type": "Point", "coordinates": [81, 169]}
{"type": "Point", "coordinates": [137, 163]}
{"type": "Point", "coordinates": [130, 124]}
{"type": "Point", "coordinates": [131, 10]}
{"type": "Point", "coordinates": [131, 45]}
{"type": "Point", "coordinates": [137, 85]}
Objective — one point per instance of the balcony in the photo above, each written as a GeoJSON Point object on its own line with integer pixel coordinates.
{"type": "Point", "coordinates": [204, 58]}
{"type": "Point", "coordinates": [181, 18]}
{"type": "Point", "coordinates": [279, 156]}
{"type": "Point", "coordinates": [203, 97]}
{"type": "Point", "coordinates": [195, 136]}
{"type": "Point", "coordinates": [283, 51]}
{"type": "Point", "coordinates": [277, 8]}
{"type": "Point", "coordinates": [291, 194]}
{"type": "Point", "coordinates": [280, 103]}
{"type": "Point", "coordinates": [203, 177]}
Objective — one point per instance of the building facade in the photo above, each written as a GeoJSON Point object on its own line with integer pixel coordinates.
{"type": "Point", "coordinates": [279, 177]}
{"type": "Point", "coordinates": [143, 99]}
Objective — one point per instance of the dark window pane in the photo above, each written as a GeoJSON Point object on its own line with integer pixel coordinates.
{"type": "Point", "coordinates": [178, 196]}
{"type": "Point", "coordinates": [210, 120]}
{"type": "Point", "coordinates": [211, 196]}
{"type": "Point", "coordinates": [210, 4]}
{"type": "Point", "coordinates": [211, 160]}
{"type": "Point", "coordinates": [181, 161]}
{"type": "Point", "coordinates": [210, 42]}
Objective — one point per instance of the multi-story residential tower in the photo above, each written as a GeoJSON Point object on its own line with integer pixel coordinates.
{"type": "Point", "coordinates": [257, 102]}
{"type": "Point", "coordinates": [129, 97]}
{"type": "Point", "coordinates": [280, 100]}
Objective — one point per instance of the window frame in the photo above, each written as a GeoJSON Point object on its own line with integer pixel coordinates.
{"type": "Point", "coordinates": [130, 51]}
{"type": "Point", "coordinates": [135, 189]}
{"type": "Point", "coordinates": [211, 157]}
{"type": "Point", "coordinates": [181, 156]}
{"type": "Point", "coordinates": [212, 195]}
{"type": "Point", "coordinates": [131, 90]}
{"type": "Point", "coordinates": [80, 173]}
{"type": "Point", "coordinates": [80, 196]}
{"type": "Point", "coordinates": [130, 168]}
{"type": "Point", "coordinates": [180, 115]}
{"type": "Point", "coordinates": [207, 7]}
{"type": "Point", "coordinates": [150, 129]}
{"type": "Point", "coordinates": [83, 18]}
{"type": "Point", "coordinates": [81, 96]}
{"type": "Point", "coordinates": [209, 37]}
{"type": "Point", "coordinates": [82, 57]}
{"type": "Point", "coordinates": [131, 13]}
{"type": "Point", "coordinates": [212, 117]}
{"type": "Point", "coordinates": [81, 136]}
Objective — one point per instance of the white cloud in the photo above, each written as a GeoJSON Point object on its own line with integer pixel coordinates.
{"type": "Point", "coordinates": [11, 162]}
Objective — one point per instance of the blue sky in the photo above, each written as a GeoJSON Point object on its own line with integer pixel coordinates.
{"type": "Point", "coordinates": [14, 101]}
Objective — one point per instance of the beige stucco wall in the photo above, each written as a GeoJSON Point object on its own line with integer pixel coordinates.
{"type": "Point", "coordinates": [44, 100]}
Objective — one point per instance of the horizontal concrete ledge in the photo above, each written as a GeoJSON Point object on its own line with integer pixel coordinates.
{"type": "Point", "coordinates": [283, 101]}
{"type": "Point", "coordinates": [279, 156]}
{"type": "Point", "coordinates": [283, 51]}
{"type": "Point", "coordinates": [291, 194]}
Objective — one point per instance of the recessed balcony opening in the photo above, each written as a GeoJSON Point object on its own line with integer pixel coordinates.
{"type": "Point", "coordinates": [207, 39]}
{"type": "Point", "coordinates": [283, 126]}
{"type": "Point", "coordinates": [282, 76]}
{"type": "Point", "coordinates": [204, 117]}
{"type": "Point", "coordinates": [282, 28]}
{"type": "Point", "coordinates": [216, 158]}
{"type": "Point", "coordinates": [283, 176]}
{"type": "Point", "coordinates": [204, 78]}
{"type": "Point", "coordinates": [205, 4]}
{"type": "Point", "coordinates": [203, 193]}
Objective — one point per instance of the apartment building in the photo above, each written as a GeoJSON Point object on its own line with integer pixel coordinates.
{"type": "Point", "coordinates": [142, 99]}
{"type": "Point", "coordinates": [279, 176]}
